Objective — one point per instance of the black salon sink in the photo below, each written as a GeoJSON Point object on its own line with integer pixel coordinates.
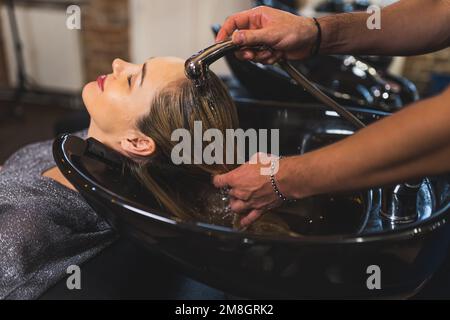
{"type": "Point", "coordinates": [340, 236]}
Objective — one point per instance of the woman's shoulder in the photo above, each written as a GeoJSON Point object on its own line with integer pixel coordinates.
{"type": "Point", "coordinates": [29, 157]}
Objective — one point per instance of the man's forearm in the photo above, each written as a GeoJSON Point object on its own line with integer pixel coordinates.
{"type": "Point", "coordinates": [408, 27]}
{"type": "Point", "coordinates": [415, 142]}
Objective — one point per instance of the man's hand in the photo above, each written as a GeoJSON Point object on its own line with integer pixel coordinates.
{"type": "Point", "coordinates": [289, 36]}
{"type": "Point", "coordinates": [250, 191]}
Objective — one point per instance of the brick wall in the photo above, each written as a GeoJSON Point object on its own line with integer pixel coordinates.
{"type": "Point", "coordinates": [419, 68]}
{"type": "Point", "coordinates": [105, 35]}
{"type": "Point", "coordinates": [3, 67]}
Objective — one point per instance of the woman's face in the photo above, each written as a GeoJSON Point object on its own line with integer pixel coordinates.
{"type": "Point", "coordinates": [116, 101]}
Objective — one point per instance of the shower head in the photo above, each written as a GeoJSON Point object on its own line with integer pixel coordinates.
{"type": "Point", "coordinates": [196, 67]}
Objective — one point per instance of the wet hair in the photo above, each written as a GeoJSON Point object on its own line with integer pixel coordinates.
{"type": "Point", "coordinates": [186, 190]}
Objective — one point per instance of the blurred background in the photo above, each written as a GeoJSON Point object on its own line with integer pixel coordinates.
{"type": "Point", "coordinates": [44, 65]}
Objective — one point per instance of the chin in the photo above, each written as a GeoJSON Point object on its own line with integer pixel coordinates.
{"type": "Point", "coordinates": [90, 91]}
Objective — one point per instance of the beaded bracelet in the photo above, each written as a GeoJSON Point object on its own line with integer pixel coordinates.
{"type": "Point", "coordinates": [273, 182]}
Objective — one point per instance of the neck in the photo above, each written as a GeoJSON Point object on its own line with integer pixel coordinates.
{"type": "Point", "coordinates": [94, 132]}
{"type": "Point", "coordinates": [107, 140]}
{"type": "Point", "coordinates": [99, 135]}
{"type": "Point", "coordinates": [55, 174]}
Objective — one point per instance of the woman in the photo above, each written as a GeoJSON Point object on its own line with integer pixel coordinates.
{"type": "Point", "coordinates": [45, 225]}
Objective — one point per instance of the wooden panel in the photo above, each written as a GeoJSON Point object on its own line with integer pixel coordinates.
{"type": "Point", "coordinates": [105, 35]}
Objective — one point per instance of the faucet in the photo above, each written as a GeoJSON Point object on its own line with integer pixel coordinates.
{"type": "Point", "coordinates": [398, 202]}
{"type": "Point", "coordinates": [197, 66]}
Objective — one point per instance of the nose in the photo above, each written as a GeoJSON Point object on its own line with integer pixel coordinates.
{"type": "Point", "coordinates": [118, 66]}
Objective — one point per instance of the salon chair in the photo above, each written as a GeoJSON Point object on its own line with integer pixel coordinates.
{"type": "Point", "coordinates": [342, 235]}
{"type": "Point", "coordinates": [125, 271]}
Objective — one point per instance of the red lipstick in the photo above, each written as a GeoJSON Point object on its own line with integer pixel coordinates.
{"type": "Point", "coordinates": [101, 82]}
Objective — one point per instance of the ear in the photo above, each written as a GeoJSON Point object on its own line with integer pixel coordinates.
{"type": "Point", "coordinates": [138, 145]}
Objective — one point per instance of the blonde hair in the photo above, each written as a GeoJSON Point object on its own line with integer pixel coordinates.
{"type": "Point", "coordinates": [183, 189]}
